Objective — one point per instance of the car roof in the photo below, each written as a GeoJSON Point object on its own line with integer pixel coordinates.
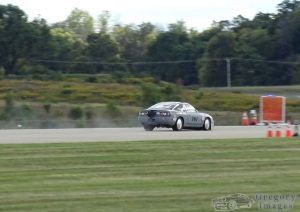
{"type": "Point", "coordinates": [168, 102]}
{"type": "Point", "coordinates": [172, 103]}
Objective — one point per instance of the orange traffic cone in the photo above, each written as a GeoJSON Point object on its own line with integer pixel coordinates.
{"type": "Point", "coordinates": [288, 132]}
{"type": "Point", "coordinates": [270, 131]}
{"type": "Point", "coordinates": [254, 120]}
{"type": "Point", "coordinates": [245, 120]}
{"type": "Point", "coordinates": [278, 131]}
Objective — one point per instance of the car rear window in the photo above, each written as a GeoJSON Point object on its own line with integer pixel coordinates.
{"type": "Point", "coordinates": [160, 106]}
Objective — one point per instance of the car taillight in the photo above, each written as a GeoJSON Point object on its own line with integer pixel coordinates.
{"type": "Point", "coordinates": [164, 113]}
{"type": "Point", "coordinates": [143, 113]}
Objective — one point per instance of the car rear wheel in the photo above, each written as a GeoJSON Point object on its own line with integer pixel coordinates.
{"type": "Point", "coordinates": [178, 125]}
{"type": "Point", "coordinates": [207, 124]}
{"type": "Point", "coordinates": [148, 127]}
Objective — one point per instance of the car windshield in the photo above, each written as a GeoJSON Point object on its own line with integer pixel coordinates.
{"type": "Point", "coordinates": [163, 105]}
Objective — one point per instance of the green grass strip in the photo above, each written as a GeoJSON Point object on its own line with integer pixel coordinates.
{"type": "Point", "coordinates": [145, 176]}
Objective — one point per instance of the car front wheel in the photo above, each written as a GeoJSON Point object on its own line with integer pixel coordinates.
{"type": "Point", "coordinates": [178, 125]}
{"type": "Point", "coordinates": [207, 124]}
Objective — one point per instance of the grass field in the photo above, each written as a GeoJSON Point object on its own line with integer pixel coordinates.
{"type": "Point", "coordinates": [145, 176]}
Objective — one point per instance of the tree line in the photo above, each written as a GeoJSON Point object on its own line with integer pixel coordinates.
{"type": "Point", "coordinates": [264, 50]}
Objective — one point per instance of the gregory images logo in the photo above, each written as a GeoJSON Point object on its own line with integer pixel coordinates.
{"type": "Point", "coordinates": [264, 202]}
{"type": "Point", "coordinates": [275, 202]}
{"type": "Point", "coordinates": [232, 202]}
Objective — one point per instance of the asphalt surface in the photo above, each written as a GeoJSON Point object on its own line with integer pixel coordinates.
{"type": "Point", "coordinates": [19, 136]}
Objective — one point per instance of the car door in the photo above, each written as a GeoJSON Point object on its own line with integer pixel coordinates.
{"type": "Point", "coordinates": [181, 111]}
{"type": "Point", "coordinates": [200, 119]}
{"type": "Point", "coordinates": [195, 118]}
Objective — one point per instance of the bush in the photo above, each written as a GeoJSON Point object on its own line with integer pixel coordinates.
{"type": "Point", "coordinates": [112, 110]}
{"type": "Point", "coordinates": [47, 107]}
{"type": "Point", "coordinates": [76, 113]}
{"type": "Point", "coordinates": [89, 114]}
{"type": "Point", "coordinates": [9, 109]}
{"type": "Point", "coordinates": [199, 95]}
{"type": "Point", "coordinates": [25, 111]}
{"type": "Point", "coordinates": [151, 94]}
{"type": "Point", "coordinates": [120, 76]}
{"type": "Point", "coordinates": [170, 93]}
{"type": "Point", "coordinates": [66, 92]}
{"type": "Point", "coordinates": [2, 73]}
{"type": "Point", "coordinates": [91, 79]}
{"type": "Point", "coordinates": [55, 75]}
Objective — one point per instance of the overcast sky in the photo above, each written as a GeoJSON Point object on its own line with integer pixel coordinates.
{"type": "Point", "coordinates": [196, 13]}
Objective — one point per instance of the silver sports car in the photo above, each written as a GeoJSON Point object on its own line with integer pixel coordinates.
{"type": "Point", "coordinates": [175, 115]}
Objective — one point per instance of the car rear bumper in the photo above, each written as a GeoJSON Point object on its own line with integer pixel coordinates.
{"type": "Point", "coordinates": [157, 121]}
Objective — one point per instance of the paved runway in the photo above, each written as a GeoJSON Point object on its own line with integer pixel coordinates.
{"type": "Point", "coordinates": [125, 134]}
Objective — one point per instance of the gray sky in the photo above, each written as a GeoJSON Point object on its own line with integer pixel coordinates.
{"type": "Point", "coordinates": [198, 14]}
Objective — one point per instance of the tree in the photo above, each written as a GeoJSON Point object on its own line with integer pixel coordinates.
{"type": "Point", "coordinates": [102, 48]}
{"type": "Point", "coordinates": [22, 42]}
{"type": "Point", "coordinates": [75, 46]}
{"type": "Point", "coordinates": [264, 21]}
{"type": "Point", "coordinates": [288, 26]}
{"type": "Point", "coordinates": [212, 66]}
{"type": "Point", "coordinates": [134, 40]}
{"type": "Point", "coordinates": [38, 40]}
{"type": "Point", "coordinates": [103, 22]}
{"type": "Point", "coordinates": [66, 46]}
{"type": "Point", "coordinates": [251, 47]}
{"type": "Point", "coordinates": [288, 6]}
{"type": "Point", "coordinates": [287, 45]}
{"type": "Point", "coordinates": [240, 22]}
{"type": "Point", "coordinates": [81, 23]}
{"type": "Point", "coordinates": [174, 45]}
{"type": "Point", "coordinates": [13, 45]}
